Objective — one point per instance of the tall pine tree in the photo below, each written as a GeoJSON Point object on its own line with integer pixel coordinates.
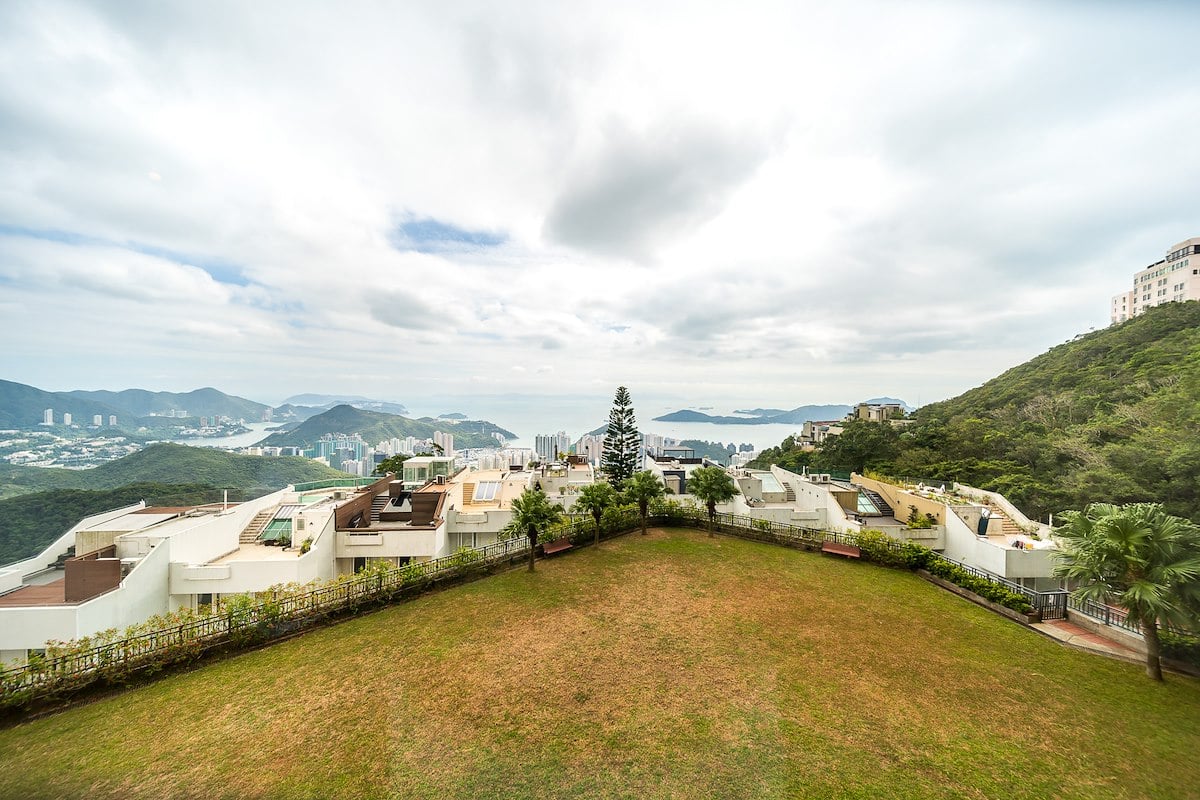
{"type": "Point", "coordinates": [622, 442]}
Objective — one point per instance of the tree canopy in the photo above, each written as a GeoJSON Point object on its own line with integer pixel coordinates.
{"type": "Point", "coordinates": [533, 514]}
{"type": "Point", "coordinates": [393, 465]}
{"type": "Point", "coordinates": [1138, 557]}
{"type": "Point", "coordinates": [711, 485]}
{"type": "Point", "coordinates": [622, 442]}
{"type": "Point", "coordinates": [642, 488]}
{"type": "Point", "coordinates": [593, 499]}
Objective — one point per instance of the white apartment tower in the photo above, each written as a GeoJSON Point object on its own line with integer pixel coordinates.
{"type": "Point", "coordinates": [67, 418]}
{"type": "Point", "coordinates": [48, 416]}
{"type": "Point", "coordinates": [1173, 279]}
{"type": "Point", "coordinates": [549, 445]}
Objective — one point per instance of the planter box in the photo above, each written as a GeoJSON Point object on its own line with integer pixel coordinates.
{"type": "Point", "coordinates": [1016, 616]}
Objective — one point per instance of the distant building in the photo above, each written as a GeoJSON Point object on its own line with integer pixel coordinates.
{"type": "Point", "coordinates": [878, 413]}
{"type": "Point", "coordinates": [549, 445]}
{"type": "Point", "coordinates": [1173, 279]}
{"type": "Point", "coordinates": [112, 419]}
{"type": "Point", "coordinates": [48, 416]}
{"type": "Point", "coordinates": [67, 418]}
{"type": "Point", "coordinates": [444, 441]}
{"type": "Point", "coordinates": [590, 447]}
{"type": "Point", "coordinates": [97, 420]}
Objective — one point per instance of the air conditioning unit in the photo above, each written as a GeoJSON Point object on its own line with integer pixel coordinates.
{"type": "Point", "coordinates": [339, 495]}
{"type": "Point", "coordinates": [822, 477]}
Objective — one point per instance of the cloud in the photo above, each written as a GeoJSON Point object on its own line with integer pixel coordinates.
{"type": "Point", "coordinates": [773, 202]}
{"type": "Point", "coordinates": [637, 190]}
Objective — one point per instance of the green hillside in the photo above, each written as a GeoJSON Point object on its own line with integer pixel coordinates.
{"type": "Point", "coordinates": [376, 427]}
{"type": "Point", "coordinates": [171, 463]}
{"type": "Point", "coordinates": [199, 403]}
{"type": "Point", "coordinates": [1111, 416]}
{"type": "Point", "coordinates": [21, 406]}
{"type": "Point", "coordinates": [32, 521]}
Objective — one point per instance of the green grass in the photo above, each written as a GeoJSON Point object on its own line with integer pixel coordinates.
{"type": "Point", "coordinates": [672, 665]}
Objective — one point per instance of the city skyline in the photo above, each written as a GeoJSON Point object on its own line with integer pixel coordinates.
{"type": "Point", "coordinates": [775, 205]}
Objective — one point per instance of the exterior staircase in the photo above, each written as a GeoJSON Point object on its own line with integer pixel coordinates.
{"type": "Point", "coordinates": [789, 492]}
{"type": "Point", "coordinates": [875, 497]}
{"type": "Point", "coordinates": [378, 504]}
{"type": "Point", "coordinates": [1007, 526]}
{"type": "Point", "coordinates": [61, 563]}
{"type": "Point", "coordinates": [251, 532]}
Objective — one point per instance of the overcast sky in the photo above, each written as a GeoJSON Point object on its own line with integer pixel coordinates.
{"type": "Point", "coordinates": [720, 204]}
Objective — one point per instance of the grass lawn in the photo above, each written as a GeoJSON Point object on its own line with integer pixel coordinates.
{"type": "Point", "coordinates": [671, 665]}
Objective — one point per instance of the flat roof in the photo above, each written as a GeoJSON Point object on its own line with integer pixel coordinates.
{"type": "Point", "coordinates": [133, 521]}
{"type": "Point", "coordinates": [46, 594]}
{"type": "Point", "coordinates": [257, 552]}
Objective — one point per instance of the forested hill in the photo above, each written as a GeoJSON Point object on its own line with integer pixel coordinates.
{"type": "Point", "coordinates": [172, 464]}
{"type": "Point", "coordinates": [1111, 416]}
{"type": "Point", "coordinates": [376, 427]}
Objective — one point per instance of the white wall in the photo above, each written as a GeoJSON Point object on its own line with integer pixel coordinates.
{"type": "Point", "coordinates": [386, 544]}
{"type": "Point", "coordinates": [11, 575]}
{"type": "Point", "coordinates": [141, 595]}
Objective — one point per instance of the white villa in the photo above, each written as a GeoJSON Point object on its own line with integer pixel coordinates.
{"type": "Point", "coordinates": [119, 568]}
{"type": "Point", "coordinates": [1007, 544]}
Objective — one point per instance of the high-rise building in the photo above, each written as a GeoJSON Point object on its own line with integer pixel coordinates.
{"type": "Point", "coordinates": [444, 441]}
{"type": "Point", "coordinates": [48, 416]}
{"type": "Point", "coordinates": [549, 445]}
{"type": "Point", "coordinates": [590, 447]}
{"type": "Point", "coordinates": [67, 418]}
{"type": "Point", "coordinates": [97, 420]}
{"type": "Point", "coordinates": [1174, 278]}
{"type": "Point", "coordinates": [112, 419]}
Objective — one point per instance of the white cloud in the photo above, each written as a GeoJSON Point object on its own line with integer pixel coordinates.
{"type": "Point", "coordinates": [761, 205]}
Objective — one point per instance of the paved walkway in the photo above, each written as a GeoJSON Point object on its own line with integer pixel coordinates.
{"type": "Point", "coordinates": [1084, 639]}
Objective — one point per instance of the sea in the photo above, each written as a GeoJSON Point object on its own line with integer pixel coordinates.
{"type": "Point", "coordinates": [527, 422]}
{"type": "Point", "coordinates": [258, 432]}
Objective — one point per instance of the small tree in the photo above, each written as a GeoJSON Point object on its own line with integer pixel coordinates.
{"type": "Point", "coordinates": [393, 465]}
{"type": "Point", "coordinates": [1139, 557]}
{"type": "Point", "coordinates": [622, 442]}
{"type": "Point", "coordinates": [711, 485]}
{"type": "Point", "coordinates": [593, 499]}
{"type": "Point", "coordinates": [532, 513]}
{"type": "Point", "coordinates": [642, 488]}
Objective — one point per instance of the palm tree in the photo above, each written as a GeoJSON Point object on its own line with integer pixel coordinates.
{"type": "Point", "coordinates": [593, 499]}
{"type": "Point", "coordinates": [712, 485]}
{"type": "Point", "coordinates": [532, 513]}
{"type": "Point", "coordinates": [643, 487]}
{"type": "Point", "coordinates": [1139, 557]}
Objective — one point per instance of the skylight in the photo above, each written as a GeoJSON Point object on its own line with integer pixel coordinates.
{"type": "Point", "coordinates": [486, 490]}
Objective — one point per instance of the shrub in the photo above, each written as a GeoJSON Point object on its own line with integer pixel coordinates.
{"type": "Point", "coordinates": [464, 556]}
{"type": "Point", "coordinates": [878, 547]}
{"type": "Point", "coordinates": [761, 524]}
{"type": "Point", "coordinates": [618, 518]}
{"type": "Point", "coordinates": [915, 556]}
{"type": "Point", "coordinates": [917, 521]}
{"type": "Point", "coordinates": [306, 545]}
{"type": "Point", "coordinates": [1180, 647]}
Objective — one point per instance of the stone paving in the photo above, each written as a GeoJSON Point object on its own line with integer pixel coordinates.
{"type": "Point", "coordinates": [1076, 636]}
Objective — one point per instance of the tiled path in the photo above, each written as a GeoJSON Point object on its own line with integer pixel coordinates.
{"type": "Point", "coordinates": [1079, 637]}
